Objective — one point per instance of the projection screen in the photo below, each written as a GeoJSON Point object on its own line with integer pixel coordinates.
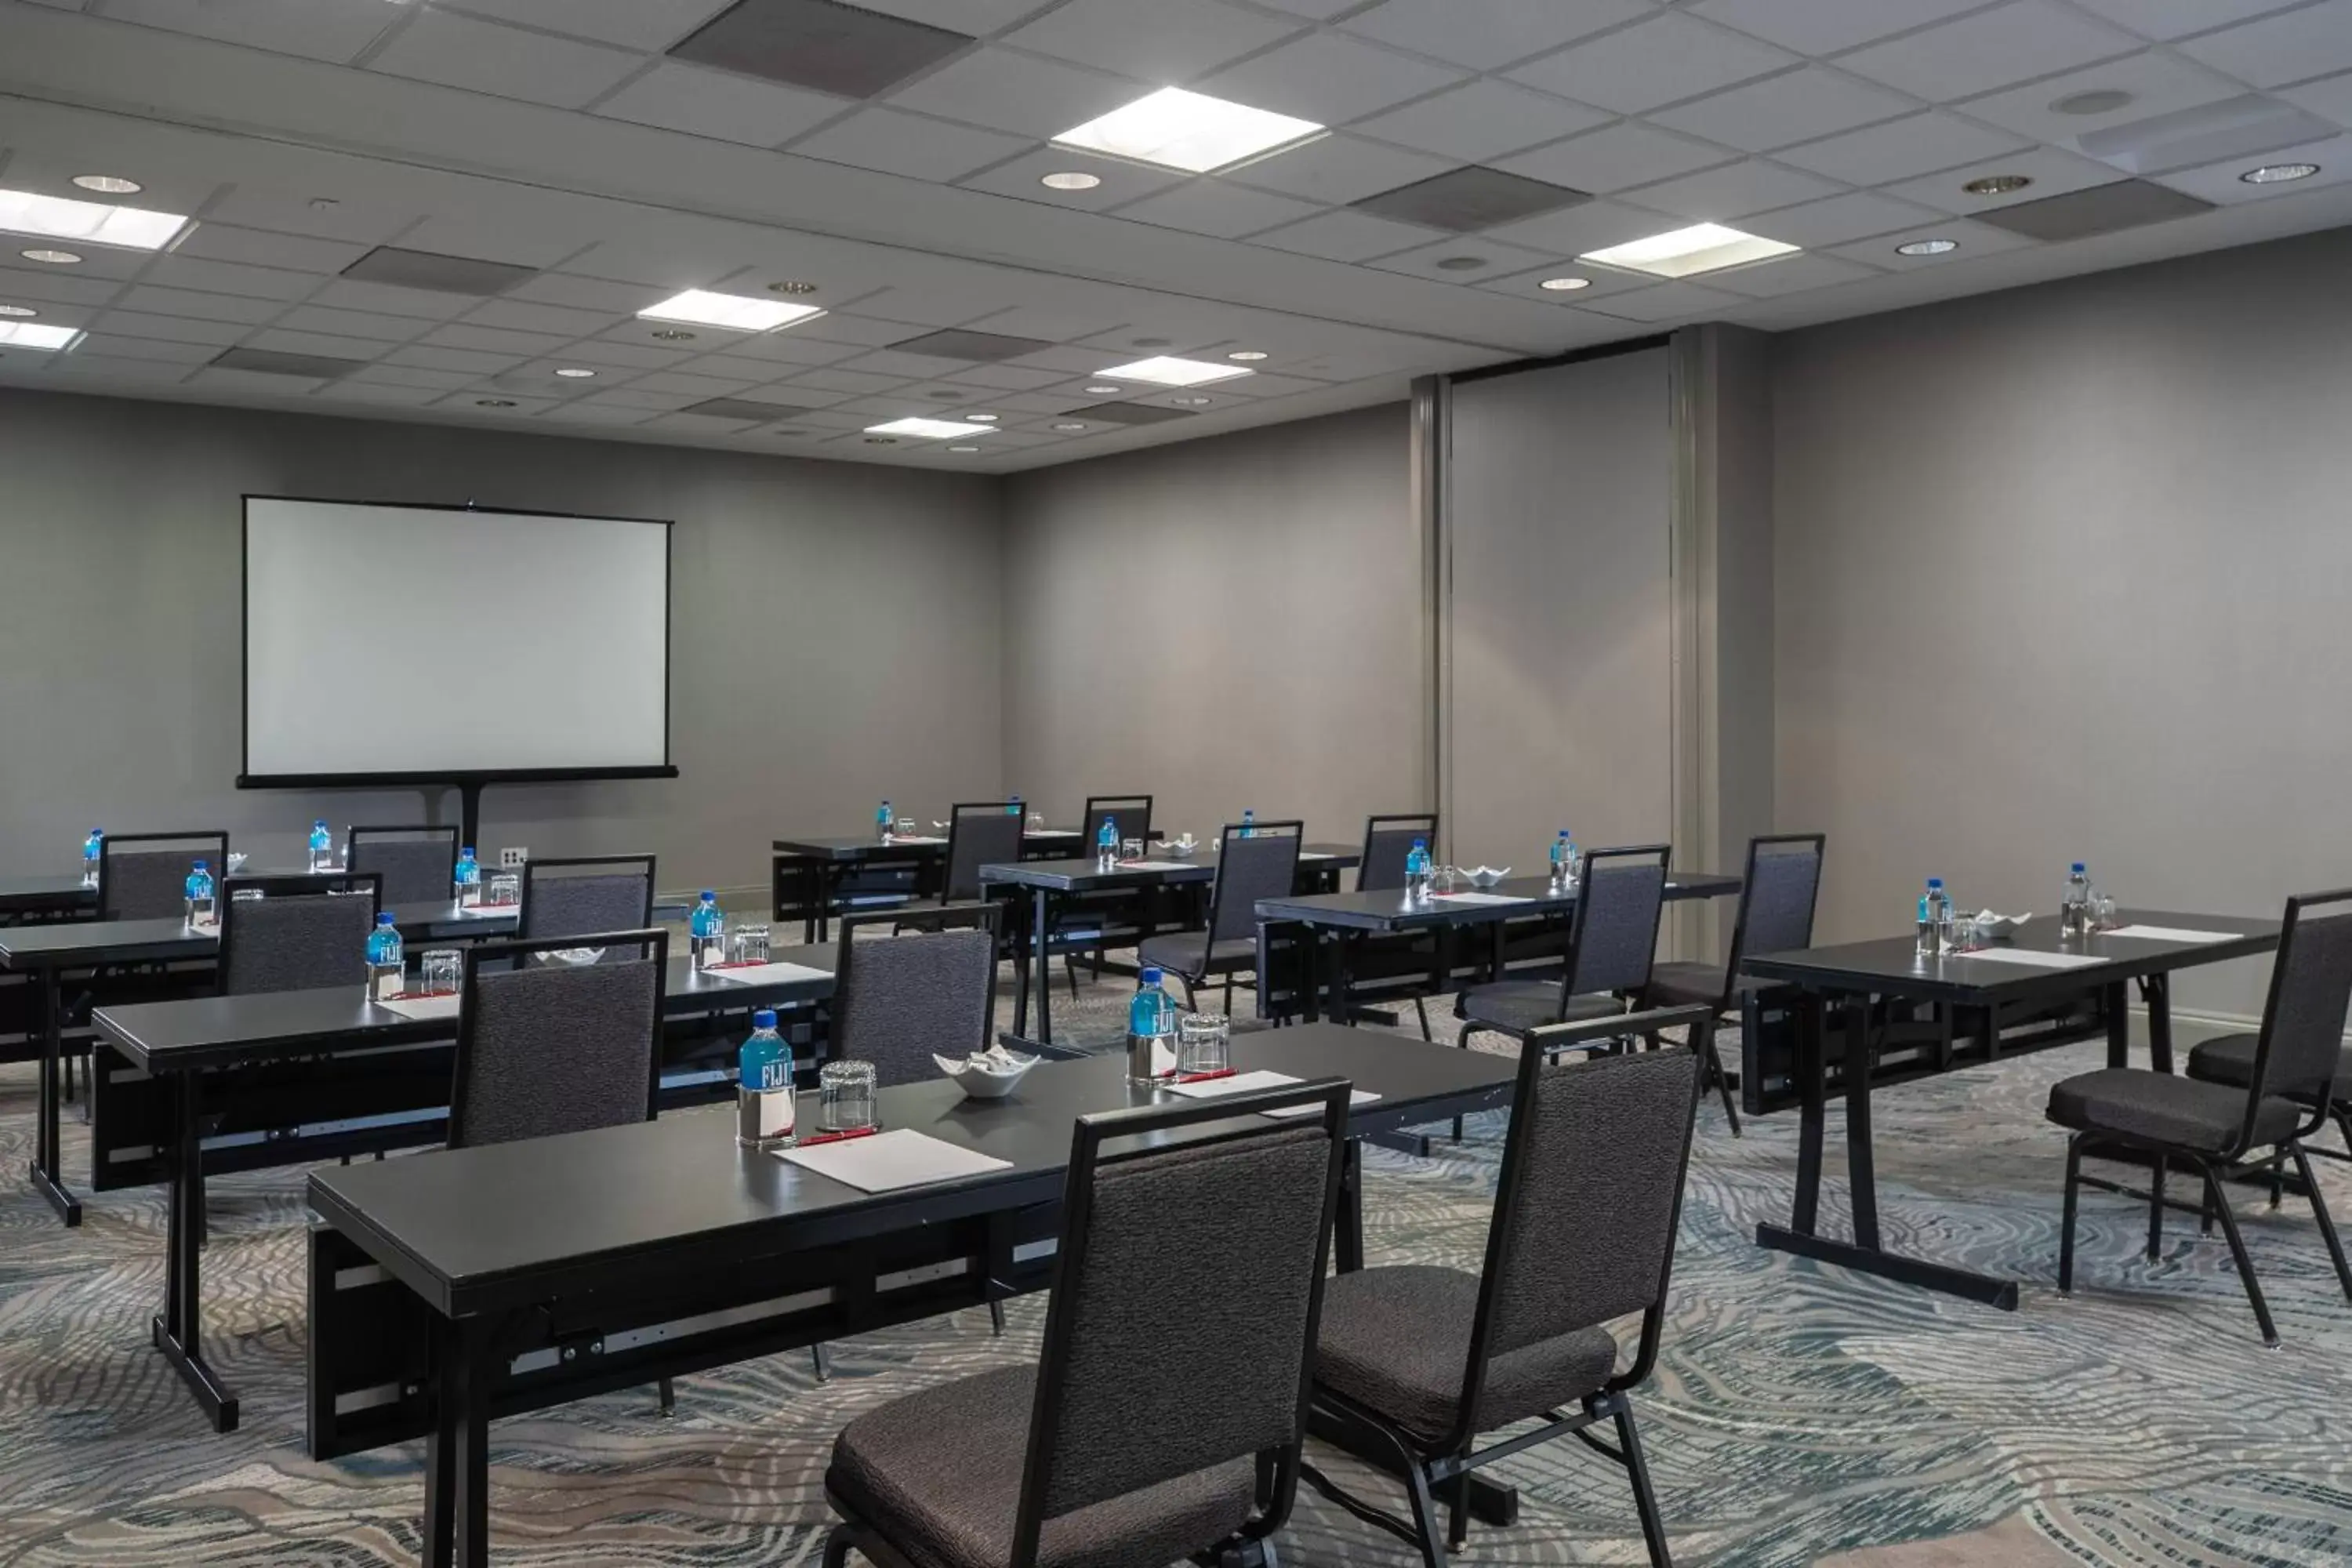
{"type": "Point", "coordinates": [406, 644]}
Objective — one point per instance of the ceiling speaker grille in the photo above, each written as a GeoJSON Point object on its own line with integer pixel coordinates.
{"type": "Point", "coordinates": [1128, 413]}
{"type": "Point", "coordinates": [441, 274]}
{"type": "Point", "coordinates": [743, 408]}
{"type": "Point", "coordinates": [2102, 209]}
{"type": "Point", "coordinates": [1462, 200]}
{"type": "Point", "coordinates": [957, 343]}
{"type": "Point", "coordinates": [267, 362]}
{"type": "Point", "coordinates": [818, 44]}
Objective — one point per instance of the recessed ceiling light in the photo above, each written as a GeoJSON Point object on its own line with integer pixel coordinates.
{"type": "Point", "coordinates": [17, 311]}
{"type": "Point", "coordinates": [1563, 284]}
{"type": "Point", "coordinates": [575, 371]}
{"type": "Point", "coordinates": [2098, 100]}
{"type": "Point", "coordinates": [982, 419]}
{"type": "Point", "coordinates": [109, 185]}
{"type": "Point", "coordinates": [930, 429]}
{"type": "Point", "coordinates": [30, 335]}
{"type": "Point", "coordinates": [1070, 424]}
{"type": "Point", "coordinates": [99, 222]}
{"type": "Point", "coordinates": [52, 258]}
{"type": "Point", "coordinates": [1248, 356]}
{"type": "Point", "coordinates": [1071, 180]}
{"type": "Point", "coordinates": [1460, 263]}
{"type": "Point", "coordinates": [1679, 253]}
{"type": "Point", "coordinates": [672, 335]}
{"type": "Point", "coordinates": [1188, 131]}
{"type": "Point", "coordinates": [1101, 389]}
{"type": "Point", "coordinates": [793, 286]}
{"type": "Point", "coordinates": [963, 448]}
{"type": "Point", "coordinates": [494, 403]}
{"type": "Point", "coordinates": [736, 312]}
{"type": "Point", "coordinates": [1997, 184]}
{"type": "Point", "coordinates": [2279, 173]}
{"type": "Point", "coordinates": [1196, 401]}
{"type": "Point", "coordinates": [1927, 247]}
{"type": "Point", "coordinates": [1167, 371]}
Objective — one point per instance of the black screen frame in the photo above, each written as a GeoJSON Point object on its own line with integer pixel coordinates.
{"type": "Point", "coordinates": [248, 778]}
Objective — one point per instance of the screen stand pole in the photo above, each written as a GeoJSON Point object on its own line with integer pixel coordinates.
{"type": "Point", "coordinates": [469, 813]}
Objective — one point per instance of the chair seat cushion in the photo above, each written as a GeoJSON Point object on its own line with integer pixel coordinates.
{"type": "Point", "coordinates": [1397, 1341]}
{"type": "Point", "coordinates": [937, 1473]}
{"type": "Point", "coordinates": [2158, 1108]}
{"type": "Point", "coordinates": [1682, 984]}
{"type": "Point", "coordinates": [1191, 952]}
{"type": "Point", "coordinates": [1521, 1005]}
{"type": "Point", "coordinates": [2231, 1059]}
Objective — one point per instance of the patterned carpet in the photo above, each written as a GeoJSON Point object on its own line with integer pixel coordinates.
{"type": "Point", "coordinates": [1799, 1414]}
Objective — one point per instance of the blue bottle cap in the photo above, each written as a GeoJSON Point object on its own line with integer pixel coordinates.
{"type": "Point", "coordinates": [468, 851]}
{"type": "Point", "coordinates": [384, 918]}
{"type": "Point", "coordinates": [1421, 844]}
{"type": "Point", "coordinates": [1149, 976]}
{"type": "Point", "coordinates": [2078, 868]}
{"type": "Point", "coordinates": [200, 866]}
{"type": "Point", "coordinates": [765, 1019]}
{"type": "Point", "coordinates": [1934, 881]}
{"type": "Point", "coordinates": [708, 897]}
{"type": "Point", "coordinates": [320, 821]}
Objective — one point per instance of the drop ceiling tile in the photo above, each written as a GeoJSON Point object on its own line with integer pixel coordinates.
{"type": "Point", "coordinates": [2052, 172]}
{"type": "Point", "coordinates": [378, 392]}
{"type": "Point", "coordinates": [662, 262]}
{"type": "Point", "coordinates": [1338, 170]}
{"type": "Point", "coordinates": [411, 375]}
{"type": "Point", "coordinates": [1600, 283]}
{"type": "Point", "coordinates": [648, 25]}
{"type": "Point", "coordinates": [1023, 177]}
{"type": "Point", "coordinates": [1209, 205]}
{"type": "Point", "coordinates": [113, 345]}
{"type": "Point", "coordinates": [54, 283]}
{"type": "Point", "coordinates": [257, 383]}
{"type": "Point", "coordinates": [2330, 99]}
{"type": "Point", "coordinates": [1626, 153]}
{"type": "Point", "coordinates": [974, 16]}
{"type": "Point", "coordinates": [1481, 120]}
{"type": "Point", "coordinates": [1902, 149]}
{"type": "Point", "coordinates": [1153, 40]}
{"type": "Point", "coordinates": [256, 248]}
{"type": "Point", "coordinates": [1826, 26]}
{"type": "Point", "coordinates": [904, 366]}
{"type": "Point", "coordinates": [862, 381]}
{"type": "Point", "coordinates": [908, 144]}
{"type": "Point", "coordinates": [735, 367]}
{"type": "Point", "coordinates": [791, 348]}
{"type": "Point", "coordinates": [1732, 191]}
{"type": "Point", "coordinates": [1262, 384]}
{"type": "Point", "coordinates": [492, 340]}
{"type": "Point", "coordinates": [936, 305]}
{"type": "Point", "coordinates": [625, 356]}
{"type": "Point", "coordinates": [1578, 231]}
{"type": "Point", "coordinates": [386, 298]}
{"type": "Point", "coordinates": [526, 234]}
{"type": "Point", "coordinates": [229, 277]}
{"type": "Point", "coordinates": [1329, 79]}
{"type": "Point", "coordinates": [1667, 302]}
{"type": "Point", "coordinates": [523, 316]}
{"type": "Point", "coordinates": [1838, 219]}
{"type": "Point", "coordinates": [1494, 259]}
{"type": "Point", "coordinates": [201, 306]}
{"type": "Point", "coordinates": [1797, 106]}
{"type": "Point", "coordinates": [2293, 47]}
{"type": "Point", "coordinates": [1054, 323]}
{"type": "Point", "coordinates": [721, 105]}
{"type": "Point", "coordinates": [2219, 184]}
{"type": "Point", "coordinates": [585, 294]}
{"type": "Point", "coordinates": [1662, 60]}
{"type": "Point", "coordinates": [1009, 377]}
{"type": "Point", "coordinates": [327, 345]}
{"type": "Point", "coordinates": [1974, 239]}
{"type": "Point", "coordinates": [456, 51]}
{"type": "Point", "coordinates": [834, 419]}
{"type": "Point", "coordinates": [592, 413]}
{"type": "Point", "coordinates": [840, 327]}
{"type": "Point", "coordinates": [1788, 275]}
{"type": "Point", "coordinates": [1079, 357]}
{"type": "Point", "coordinates": [107, 370]}
{"type": "Point", "coordinates": [1345, 236]}
{"type": "Point", "coordinates": [2158, 84]}
{"type": "Point", "coordinates": [698, 387]}
{"type": "Point", "coordinates": [1006, 92]}
{"type": "Point", "coordinates": [1486, 34]}
{"type": "Point", "coordinates": [2176, 19]}
{"type": "Point", "coordinates": [426, 357]}
{"type": "Point", "coordinates": [637, 398]}
{"type": "Point", "coordinates": [350, 221]}
{"type": "Point", "coordinates": [1991, 49]}
{"type": "Point", "coordinates": [700, 423]}
{"type": "Point", "coordinates": [96, 262]}
{"type": "Point", "coordinates": [476, 401]}
{"type": "Point", "coordinates": [322, 30]}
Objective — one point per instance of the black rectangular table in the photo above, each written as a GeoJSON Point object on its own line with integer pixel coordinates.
{"type": "Point", "coordinates": [829, 860]}
{"type": "Point", "coordinates": [208, 1053]}
{"type": "Point", "coordinates": [1050, 883]}
{"type": "Point", "coordinates": [448, 1289]}
{"type": "Point", "coordinates": [1979, 1009]}
{"type": "Point", "coordinates": [47, 952]}
{"type": "Point", "coordinates": [25, 899]}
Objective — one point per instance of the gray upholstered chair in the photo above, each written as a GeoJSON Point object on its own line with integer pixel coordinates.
{"type": "Point", "coordinates": [1113, 1451]}
{"type": "Point", "coordinates": [144, 876]}
{"type": "Point", "coordinates": [1260, 861]}
{"type": "Point", "coordinates": [1612, 944]}
{"type": "Point", "coordinates": [584, 894]}
{"type": "Point", "coordinates": [1776, 915]}
{"type": "Point", "coordinates": [302, 933]}
{"type": "Point", "coordinates": [896, 1000]}
{"type": "Point", "coordinates": [1388, 842]}
{"type": "Point", "coordinates": [1420, 1359]}
{"type": "Point", "coordinates": [418, 865]}
{"type": "Point", "coordinates": [979, 833]}
{"type": "Point", "coordinates": [2216, 1129]}
{"type": "Point", "coordinates": [1130, 818]}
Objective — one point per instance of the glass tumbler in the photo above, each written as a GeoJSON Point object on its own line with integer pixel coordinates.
{"type": "Point", "coordinates": [1131, 849]}
{"type": "Point", "coordinates": [442, 971]}
{"type": "Point", "coordinates": [747, 944]}
{"type": "Point", "coordinates": [506, 890]}
{"type": "Point", "coordinates": [845, 1101]}
{"type": "Point", "coordinates": [1205, 1044]}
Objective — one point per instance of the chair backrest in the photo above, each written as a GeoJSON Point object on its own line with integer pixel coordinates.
{"type": "Point", "coordinates": [979, 833]}
{"type": "Point", "coordinates": [1588, 1201]}
{"type": "Point", "coordinates": [1220, 1243]}
{"type": "Point", "coordinates": [144, 876]}
{"type": "Point", "coordinates": [1131, 816]}
{"type": "Point", "coordinates": [303, 933]}
{"type": "Point", "coordinates": [1387, 841]}
{"type": "Point", "coordinates": [2302, 1038]}
{"type": "Point", "coordinates": [1614, 937]}
{"type": "Point", "coordinates": [898, 999]}
{"type": "Point", "coordinates": [544, 1049]}
{"type": "Point", "coordinates": [585, 893]}
{"type": "Point", "coordinates": [419, 865]}
{"type": "Point", "coordinates": [1262, 866]}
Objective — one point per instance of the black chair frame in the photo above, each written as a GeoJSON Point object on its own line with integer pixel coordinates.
{"type": "Point", "coordinates": [355, 835]}
{"type": "Point", "coordinates": [1295, 828]}
{"type": "Point", "coordinates": [1710, 1066]}
{"type": "Point", "coordinates": [1118, 808]}
{"type": "Point", "coordinates": [1424, 825]}
{"type": "Point", "coordinates": [977, 914]}
{"type": "Point", "coordinates": [531, 870]}
{"type": "Point", "coordinates": [340, 884]}
{"type": "Point", "coordinates": [208, 843]}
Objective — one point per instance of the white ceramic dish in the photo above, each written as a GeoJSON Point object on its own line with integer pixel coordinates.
{"type": "Point", "coordinates": [987, 1075]}
{"type": "Point", "coordinates": [1989, 924]}
{"type": "Point", "coordinates": [1487, 875]}
{"type": "Point", "coordinates": [1181, 849]}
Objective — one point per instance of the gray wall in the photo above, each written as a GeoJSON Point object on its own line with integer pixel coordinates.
{"type": "Point", "coordinates": [1227, 623]}
{"type": "Point", "coordinates": [827, 620]}
{"type": "Point", "coordinates": [2063, 573]}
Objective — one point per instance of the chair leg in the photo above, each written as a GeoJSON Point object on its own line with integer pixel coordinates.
{"type": "Point", "coordinates": [669, 1399]}
{"type": "Point", "coordinates": [1420, 1009]}
{"type": "Point", "coordinates": [996, 1317]}
{"type": "Point", "coordinates": [1070, 966]}
{"type": "Point", "coordinates": [1457, 1513]}
{"type": "Point", "coordinates": [2221, 1201]}
{"type": "Point", "coordinates": [821, 1356]}
{"type": "Point", "coordinates": [836, 1547]}
{"type": "Point", "coordinates": [1190, 1005]}
{"type": "Point", "coordinates": [1229, 996]}
{"type": "Point", "coordinates": [1460, 1043]}
{"type": "Point", "coordinates": [1424, 1513]}
{"type": "Point", "coordinates": [2327, 1221]}
{"type": "Point", "coordinates": [2155, 1210]}
{"type": "Point", "coordinates": [1645, 1501]}
{"type": "Point", "coordinates": [2066, 1224]}
{"type": "Point", "coordinates": [1711, 1066]}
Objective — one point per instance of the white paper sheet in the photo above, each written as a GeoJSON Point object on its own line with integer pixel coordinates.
{"type": "Point", "coordinates": [887, 1161]}
{"type": "Point", "coordinates": [1479, 898]}
{"type": "Point", "coordinates": [764, 974]}
{"type": "Point", "coordinates": [1308, 1108]}
{"type": "Point", "coordinates": [898, 838]}
{"type": "Point", "coordinates": [423, 1007]}
{"type": "Point", "coordinates": [2173, 933]}
{"type": "Point", "coordinates": [1240, 1083]}
{"type": "Point", "coordinates": [2034, 959]}
{"type": "Point", "coordinates": [488, 911]}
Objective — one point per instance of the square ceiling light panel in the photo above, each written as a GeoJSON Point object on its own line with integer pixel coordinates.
{"type": "Point", "coordinates": [37, 335]}
{"type": "Point", "coordinates": [930, 429]}
{"type": "Point", "coordinates": [820, 44]}
{"type": "Point", "coordinates": [1685, 252]}
{"type": "Point", "coordinates": [1168, 371]}
{"type": "Point", "coordinates": [89, 223]}
{"type": "Point", "coordinates": [1188, 131]}
{"type": "Point", "coordinates": [730, 312]}
{"type": "Point", "coordinates": [1468, 199]}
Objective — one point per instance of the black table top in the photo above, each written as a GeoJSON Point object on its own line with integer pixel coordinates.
{"type": "Point", "coordinates": [197, 1033]}
{"type": "Point", "coordinates": [868, 846]}
{"type": "Point", "coordinates": [474, 1229]}
{"type": "Point", "coordinates": [1386, 911]}
{"type": "Point", "coordinates": [126, 941]}
{"type": "Point", "coordinates": [1894, 966]}
{"type": "Point", "coordinates": [1080, 874]}
{"type": "Point", "coordinates": [64, 891]}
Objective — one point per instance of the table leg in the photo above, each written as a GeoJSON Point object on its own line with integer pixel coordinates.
{"type": "Point", "coordinates": [1813, 1113]}
{"type": "Point", "coordinates": [1348, 1239]}
{"type": "Point", "coordinates": [828, 881]}
{"type": "Point", "coordinates": [1343, 981]}
{"type": "Point", "coordinates": [179, 1332]}
{"type": "Point", "coordinates": [2113, 999]}
{"type": "Point", "coordinates": [2156, 990]}
{"type": "Point", "coordinates": [1017, 912]}
{"type": "Point", "coordinates": [1862, 1171]}
{"type": "Point", "coordinates": [48, 1175]}
{"type": "Point", "coordinates": [457, 1455]}
{"type": "Point", "coordinates": [1310, 974]}
{"type": "Point", "coordinates": [1040, 920]}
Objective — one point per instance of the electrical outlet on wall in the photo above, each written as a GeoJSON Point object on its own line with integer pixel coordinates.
{"type": "Point", "coordinates": [513, 854]}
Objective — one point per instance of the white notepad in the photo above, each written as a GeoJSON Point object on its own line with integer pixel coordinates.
{"type": "Point", "coordinates": [2173, 933]}
{"type": "Point", "coordinates": [898, 838]}
{"type": "Point", "coordinates": [488, 911]}
{"type": "Point", "coordinates": [2037, 960]}
{"type": "Point", "coordinates": [1480, 898]}
{"type": "Point", "coordinates": [887, 1161]}
{"type": "Point", "coordinates": [764, 974]}
{"type": "Point", "coordinates": [422, 1006]}
{"type": "Point", "coordinates": [1240, 1083]}
{"type": "Point", "coordinates": [1308, 1107]}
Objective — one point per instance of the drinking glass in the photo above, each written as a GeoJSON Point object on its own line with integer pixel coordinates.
{"type": "Point", "coordinates": [1203, 1043]}
{"type": "Point", "coordinates": [906, 827]}
{"type": "Point", "coordinates": [2102, 913]}
{"type": "Point", "coordinates": [442, 971]}
{"type": "Point", "coordinates": [242, 894]}
{"type": "Point", "coordinates": [1443, 878]}
{"type": "Point", "coordinates": [845, 1097]}
{"type": "Point", "coordinates": [506, 890]}
{"type": "Point", "coordinates": [1131, 849]}
{"type": "Point", "coordinates": [748, 944]}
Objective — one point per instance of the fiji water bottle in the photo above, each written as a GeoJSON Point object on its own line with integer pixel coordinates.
{"type": "Point", "coordinates": [882, 822]}
{"type": "Point", "coordinates": [323, 846]}
{"type": "Point", "coordinates": [468, 876]}
{"type": "Point", "coordinates": [1012, 807]}
{"type": "Point", "coordinates": [763, 1086]}
{"type": "Point", "coordinates": [2073, 916]}
{"type": "Point", "coordinates": [1563, 861]}
{"type": "Point", "coordinates": [383, 967]}
{"type": "Point", "coordinates": [707, 932]}
{"type": "Point", "coordinates": [1932, 904]}
{"type": "Point", "coordinates": [1107, 845]}
{"type": "Point", "coordinates": [1416, 874]}
{"type": "Point", "coordinates": [89, 849]}
{"type": "Point", "coordinates": [202, 904]}
{"type": "Point", "coordinates": [1150, 1031]}
{"type": "Point", "coordinates": [1249, 823]}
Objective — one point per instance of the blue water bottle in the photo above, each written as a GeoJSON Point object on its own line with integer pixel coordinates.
{"type": "Point", "coordinates": [383, 965]}
{"type": "Point", "coordinates": [199, 892]}
{"type": "Point", "coordinates": [882, 822]}
{"type": "Point", "coordinates": [1012, 807]}
{"type": "Point", "coordinates": [1107, 845]}
{"type": "Point", "coordinates": [323, 846]}
{"type": "Point", "coordinates": [468, 876]}
{"type": "Point", "coordinates": [707, 932]}
{"type": "Point", "coordinates": [1416, 873]}
{"type": "Point", "coordinates": [89, 849]}
{"type": "Point", "coordinates": [1150, 1031]}
{"type": "Point", "coordinates": [1249, 823]}
{"type": "Point", "coordinates": [763, 1086]}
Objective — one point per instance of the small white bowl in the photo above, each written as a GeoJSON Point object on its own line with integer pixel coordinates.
{"type": "Point", "coordinates": [1487, 875]}
{"type": "Point", "coordinates": [990, 1074]}
{"type": "Point", "coordinates": [1180, 851]}
{"type": "Point", "coordinates": [1988, 924]}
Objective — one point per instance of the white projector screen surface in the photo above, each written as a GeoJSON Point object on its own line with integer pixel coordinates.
{"type": "Point", "coordinates": [388, 641]}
